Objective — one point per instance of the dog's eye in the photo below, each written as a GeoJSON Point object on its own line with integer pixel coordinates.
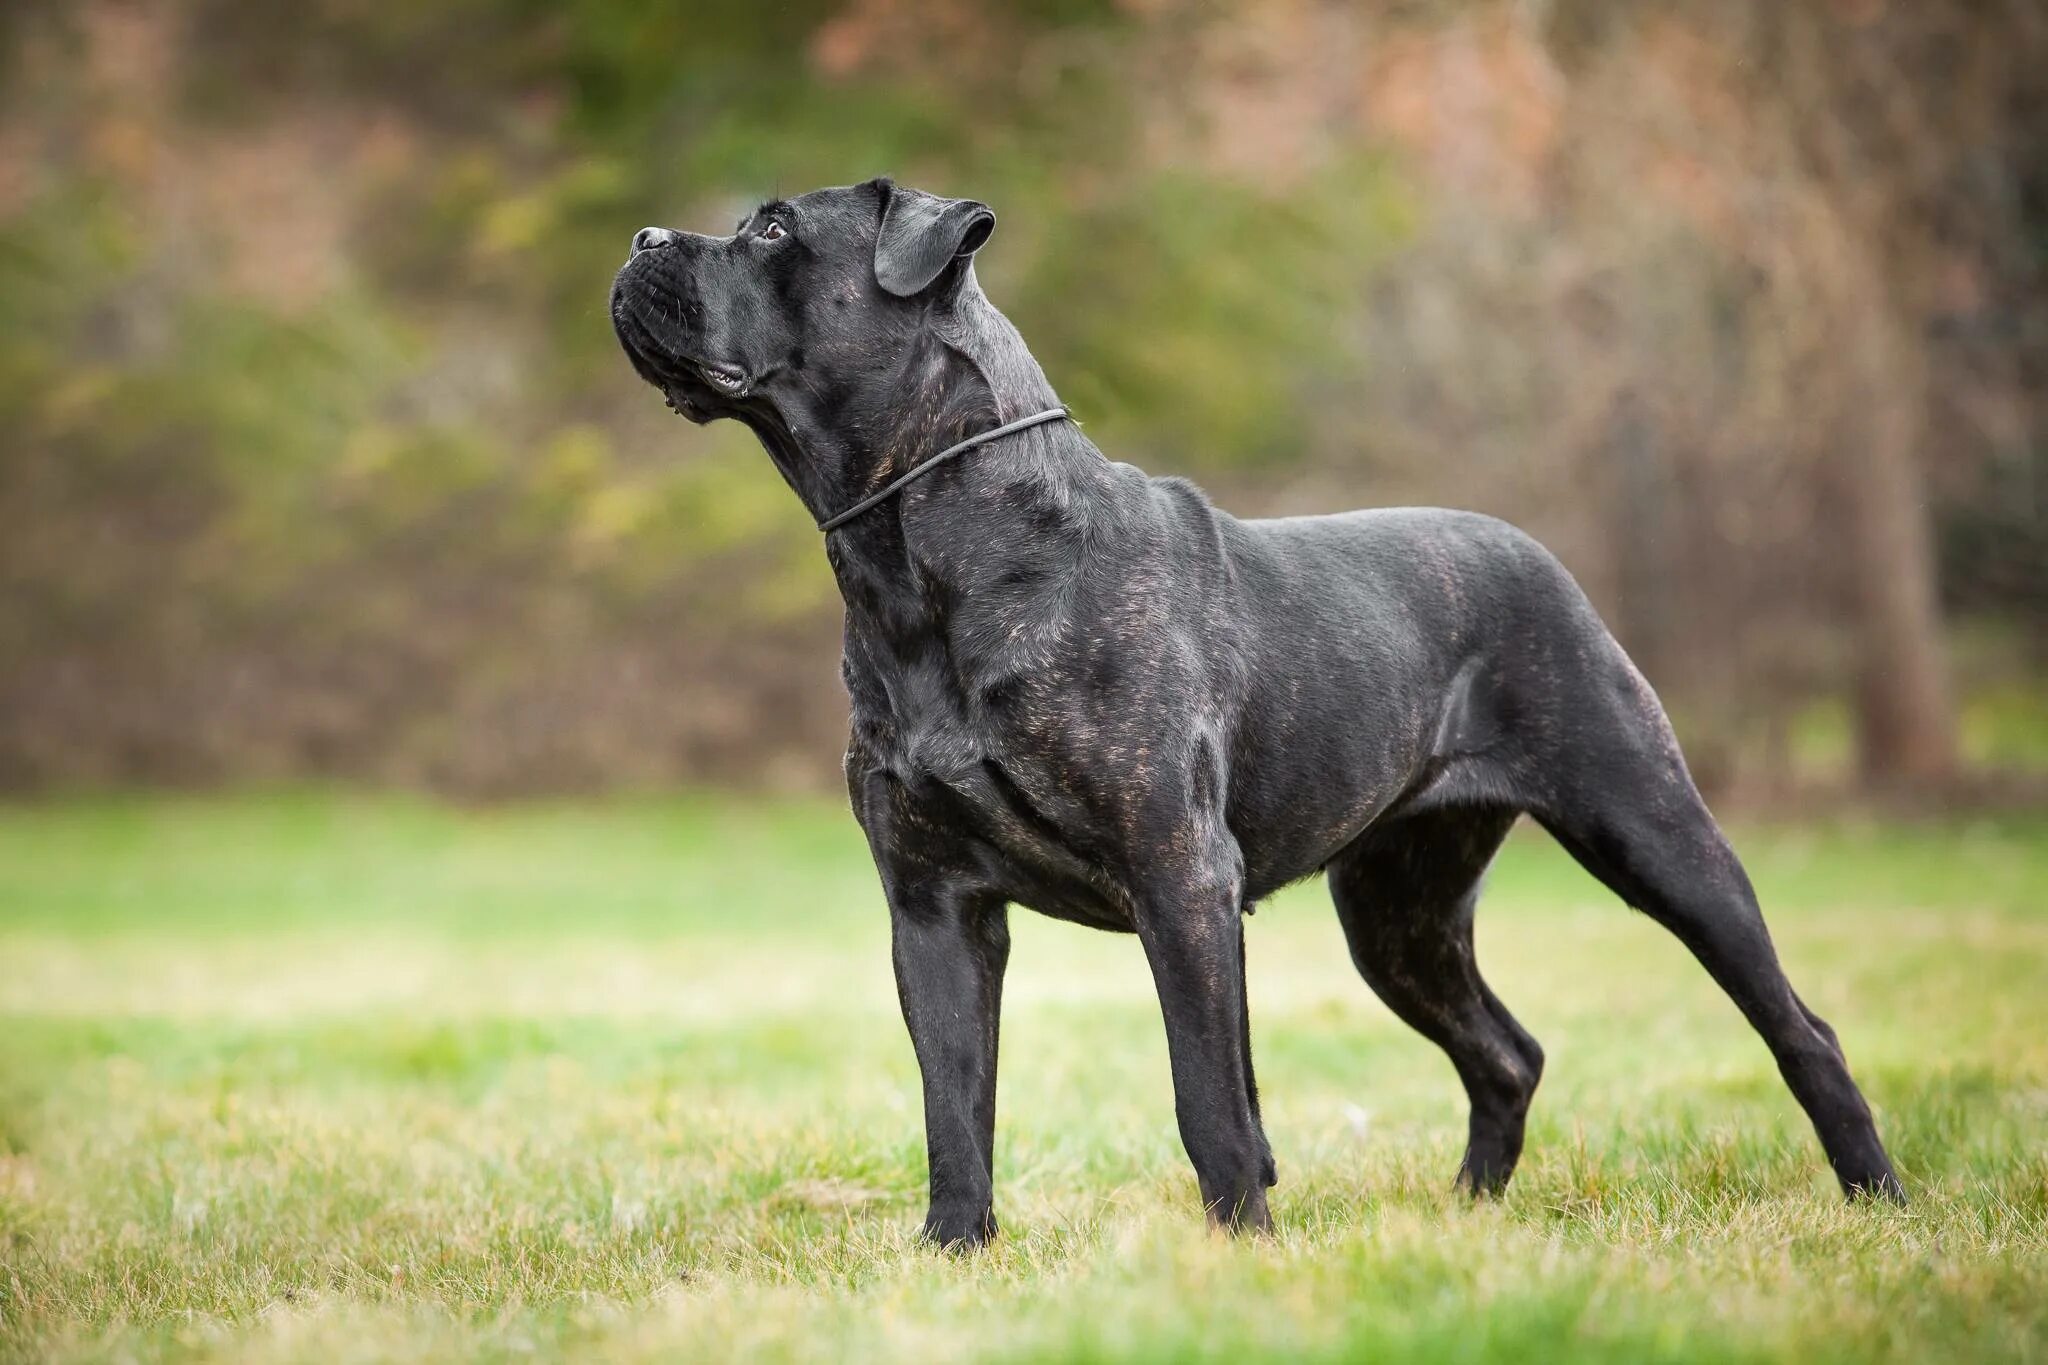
{"type": "Point", "coordinates": [774, 232]}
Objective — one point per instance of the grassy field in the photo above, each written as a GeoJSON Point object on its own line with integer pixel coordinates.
{"type": "Point", "coordinates": [322, 1080]}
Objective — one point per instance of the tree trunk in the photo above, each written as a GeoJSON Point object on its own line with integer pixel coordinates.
{"type": "Point", "coordinates": [1905, 718]}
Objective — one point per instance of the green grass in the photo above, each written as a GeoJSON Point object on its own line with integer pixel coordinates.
{"type": "Point", "coordinates": [320, 1079]}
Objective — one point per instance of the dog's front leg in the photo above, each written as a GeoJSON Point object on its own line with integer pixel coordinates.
{"type": "Point", "coordinates": [1193, 943]}
{"type": "Point", "coordinates": [950, 947]}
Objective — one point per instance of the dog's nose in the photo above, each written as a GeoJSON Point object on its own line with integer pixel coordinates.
{"type": "Point", "coordinates": [648, 238]}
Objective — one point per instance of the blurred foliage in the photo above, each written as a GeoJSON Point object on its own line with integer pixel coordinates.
{"type": "Point", "coordinates": [325, 461]}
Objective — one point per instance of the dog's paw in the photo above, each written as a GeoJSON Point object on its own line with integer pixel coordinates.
{"type": "Point", "coordinates": [959, 1229]}
{"type": "Point", "coordinates": [1884, 1187]}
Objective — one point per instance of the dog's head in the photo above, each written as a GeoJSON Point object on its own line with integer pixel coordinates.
{"type": "Point", "coordinates": [807, 300]}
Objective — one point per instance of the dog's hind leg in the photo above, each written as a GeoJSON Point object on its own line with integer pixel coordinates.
{"type": "Point", "coordinates": [1405, 893]}
{"type": "Point", "coordinates": [1618, 797]}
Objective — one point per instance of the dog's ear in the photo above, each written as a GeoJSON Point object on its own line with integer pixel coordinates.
{"type": "Point", "coordinates": [922, 234]}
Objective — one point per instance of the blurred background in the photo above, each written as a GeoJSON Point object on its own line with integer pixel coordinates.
{"type": "Point", "coordinates": [320, 463]}
{"type": "Point", "coordinates": [331, 518]}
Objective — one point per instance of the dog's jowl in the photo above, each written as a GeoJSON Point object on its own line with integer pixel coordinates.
{"type": "Point", "coordinates": [1087, 691]}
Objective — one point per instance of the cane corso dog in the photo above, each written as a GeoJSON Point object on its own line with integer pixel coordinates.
{"type": "Point", "coordinates": [1088, 691]}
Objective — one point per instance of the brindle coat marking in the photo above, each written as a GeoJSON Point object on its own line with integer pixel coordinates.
{"type": "Point", "coordinates": [1090, 692]}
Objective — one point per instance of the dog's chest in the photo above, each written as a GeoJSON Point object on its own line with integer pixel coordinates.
{"type": "Point", "coordinates": [958, 790]}
{"type": "Point", "coordinates": [955, 777]}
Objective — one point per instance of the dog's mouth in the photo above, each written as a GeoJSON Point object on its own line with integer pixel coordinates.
{"type": "Point", "coordinates": [683, 383]}
{"type": "Point", "coordinates": [692, 387]}
{"type": "Point", "coordinates": [729, 380]}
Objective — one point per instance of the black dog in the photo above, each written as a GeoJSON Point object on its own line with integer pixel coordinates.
{"type": "Point", "coordinates": [1092, 693]}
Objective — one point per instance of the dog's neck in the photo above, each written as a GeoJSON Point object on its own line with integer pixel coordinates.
{"type": "Point", "coordinates": [966, 371]}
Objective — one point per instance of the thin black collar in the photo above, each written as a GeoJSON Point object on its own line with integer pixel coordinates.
{"type": "Point", "coordinates": [896, 486]}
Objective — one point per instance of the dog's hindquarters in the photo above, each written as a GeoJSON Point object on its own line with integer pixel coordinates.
{"type": "Point", "coordinates": [1605, 776]}
{"type": "Point", "coordinates": [1546, 714]}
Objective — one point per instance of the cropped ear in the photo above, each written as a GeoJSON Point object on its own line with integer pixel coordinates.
{"type": "Point", "coordinates": [922, 234]}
